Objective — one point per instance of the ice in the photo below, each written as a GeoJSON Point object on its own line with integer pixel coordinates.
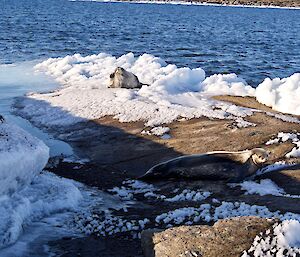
{"type": "Point", "coordinates": [282, 95]}
{"type": "Point", "coordinates": [26, 195]}
{"type": "Point", "coordinates": [189, 195]}
{"type": "Point", "coordinates": [22, 157]}
{"type": "Point", "coordinates": [264, 187]}
{"type": "Point", "coordinates": [171, 93]}
{"type": "Point", "coordinates": [47, 194]}
{"type": "Point", "coordinates": [282, 240]}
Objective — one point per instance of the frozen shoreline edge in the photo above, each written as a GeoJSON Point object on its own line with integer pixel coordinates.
{"type": "Point", "coordinates": [193, 3]}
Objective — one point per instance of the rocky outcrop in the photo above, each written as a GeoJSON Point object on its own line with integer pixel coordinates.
{"type": "Point", "coordinates": [228, 237]}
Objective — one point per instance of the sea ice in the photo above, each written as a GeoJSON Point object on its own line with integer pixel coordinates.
{"type": "Point", "coordinates": [22, 157]}
{"type": "Point", "coordinates": [172, 93]}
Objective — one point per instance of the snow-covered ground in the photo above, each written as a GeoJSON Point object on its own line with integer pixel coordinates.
{"type": "Point", "coordinates": [173, 93]}
{"type": "Point", "coordinates": [30, 196]}
{"type": "Point", "coordinates": [22, 157]}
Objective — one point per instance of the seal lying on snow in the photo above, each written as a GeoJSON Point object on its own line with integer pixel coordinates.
{"type": "Point", "coordinates": [231, 166]}
{"type": "Point", "coordinates": [1, 119]}
{"type": "Point", "coordinates": [124, 79]}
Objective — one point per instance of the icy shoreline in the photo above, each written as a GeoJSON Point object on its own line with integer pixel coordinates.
{"type": "Point", "coordinates": [192, 3]}
{"type": "Point", "coordinates": [173, 93]}
{"type": "Point", "coordinates": [27, 193]}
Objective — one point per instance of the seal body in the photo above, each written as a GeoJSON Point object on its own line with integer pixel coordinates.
{"type": "Point", "coordinates": [1, 119]}
{"type": "Point", "coordinates": [230, 166]}
{"type": "Point", "coordinates": [124, 79]}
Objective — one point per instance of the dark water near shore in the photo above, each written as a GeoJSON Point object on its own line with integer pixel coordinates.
{"type": "Point", "coordinates": [252, 42]}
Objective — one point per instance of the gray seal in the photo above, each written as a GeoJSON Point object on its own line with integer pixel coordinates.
{"type": "Point", "coordinates": [124, 79]}
{"type": "Point", "coordinates": [221, 165]}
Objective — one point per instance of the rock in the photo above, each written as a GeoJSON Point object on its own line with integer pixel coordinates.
{"type": "Point", "coordinates": [228, 237]}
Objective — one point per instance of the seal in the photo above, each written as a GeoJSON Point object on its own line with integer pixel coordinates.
{"type": "Point", "coordinates": [124, 79]}
{"type": "Point", "coordinates": [221, 165]}
{"type": "Point", "coordinates": [1, 119]}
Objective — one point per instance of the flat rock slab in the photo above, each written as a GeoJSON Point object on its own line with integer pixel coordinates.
{"type": "Point", "coordinates": [228, 237]}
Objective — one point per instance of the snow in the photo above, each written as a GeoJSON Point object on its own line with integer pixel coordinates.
{"type": "Point", "coordinates": [282, 95]}
{"type": "Point", "coordinates": [207, 212]}
{"type": "Point", "coordinates": [107, 224]}
{"type": "Point", "coordinates": [187, 215]}
{"type": "Point", "coordinates": [132, 188]}
{"type": "Point", "coordinates": [283, 137]}
{"type": "Point", "coordinates": [157, 131]}
{"type": "Point", "coordinates": [189, 195]}
{"type": "Point", "coordinates": [27, 196]}
{"type": "Point", "coordinates": [22, 157]}
{"type": "Point", "coordinates": [170, 93]}
{"type": "Point", "coordinates": [283, 240]}
{"type": "Point", "coordinates": [264, 187]}
{"type": "Point", "coordinates": [173, 93]}
{"type": "Point", "coordinates": [47, 194]}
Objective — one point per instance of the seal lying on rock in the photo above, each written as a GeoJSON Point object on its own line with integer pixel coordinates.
{"type": "Point", "coordinates": [124, 79]}
{"type": "Point", "coordinates": [222, 165]}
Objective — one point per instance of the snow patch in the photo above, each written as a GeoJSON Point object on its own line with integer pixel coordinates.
{"type": "Point", "coordinates": [282, 95]}
{"type": "Point", "coordinates": [157, 131]}
{"type": "Point", "coordinates": [172, 93]}
{"type": "Point", "coordinates": [264, 187]}
{"type": "Point", "coordinates": [283, 137]}
{"type": "Point", "coordinates": [282, 240]}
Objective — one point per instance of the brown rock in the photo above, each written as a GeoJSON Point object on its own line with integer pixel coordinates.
{"type": "Point", "coordinates": [228, 237]}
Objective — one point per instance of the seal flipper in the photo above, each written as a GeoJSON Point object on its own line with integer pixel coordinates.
{"type": "Point", "coordinates": [155, 172]}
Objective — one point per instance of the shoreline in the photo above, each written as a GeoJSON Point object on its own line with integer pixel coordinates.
{"type": "Point", "coordinates": [132, 154]}
{"type": "Point", "coordinates": [194, 3]}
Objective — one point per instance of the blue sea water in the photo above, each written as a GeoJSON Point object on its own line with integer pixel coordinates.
{"type": "Point", "coordinates": [252, 42]}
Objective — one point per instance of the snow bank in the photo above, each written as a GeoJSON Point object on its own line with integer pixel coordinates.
{"type": "Point", "coordinates": [172, 93]}
{"type": "Point", "coordinates": [26, 195]}
{"type": "Point", "coordinates": [47, 194]}
{"type": "Point", "coordinates": [281, 94]}
{"type": "Point", "coordinates": [22, 157]}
